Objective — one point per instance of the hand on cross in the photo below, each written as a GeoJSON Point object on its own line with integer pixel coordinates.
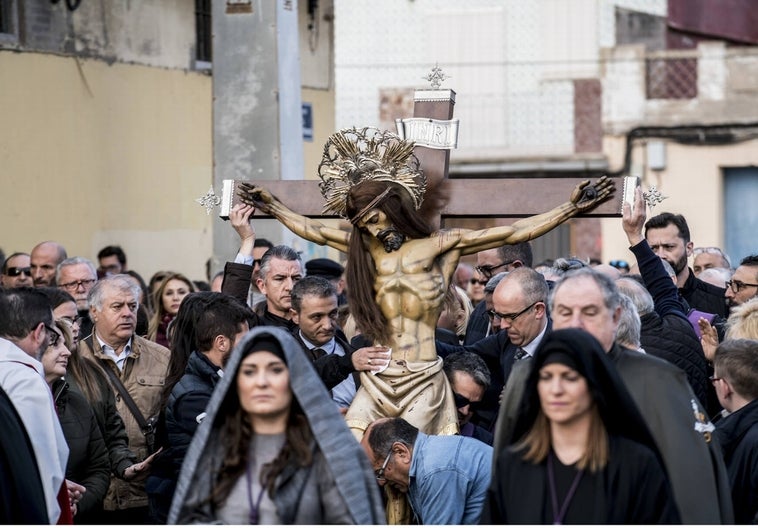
{"type": "Point", "coordinates": [586, 196]}
{"type": "Point", "coordinates": [255, 196]}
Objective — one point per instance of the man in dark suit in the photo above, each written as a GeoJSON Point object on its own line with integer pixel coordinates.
{"type": "Point", "coordinates": [314, 311]}
{"type": "Point", "coordinates": [520, 311]}
{"type": "Point", "coordinates": [489, 263]}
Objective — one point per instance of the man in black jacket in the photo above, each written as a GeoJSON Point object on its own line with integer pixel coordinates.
{"type": "Point", "coordinates": [666, 332]}
{"type": "Point", "coordinates": [669, 236]}
{"type": "Point", "coordinates": [736, 383]}
{"type": "Point", "coordinates": [314, 312]}
{"type": "Point", "coordinates": [219, 328]}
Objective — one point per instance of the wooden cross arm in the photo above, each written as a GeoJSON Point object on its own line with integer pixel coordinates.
{"type": "Point", "coordinates": [469, 198]}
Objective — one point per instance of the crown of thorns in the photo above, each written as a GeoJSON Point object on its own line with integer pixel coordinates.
{"type": "Point", "coordinates": [354, 156]}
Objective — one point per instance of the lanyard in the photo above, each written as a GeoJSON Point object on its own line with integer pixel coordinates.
{"type": "Point", "coordinates": [558, 516]}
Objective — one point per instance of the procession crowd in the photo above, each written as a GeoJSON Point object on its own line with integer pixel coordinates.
{"type": "Point", "coordinates": [585, 392]}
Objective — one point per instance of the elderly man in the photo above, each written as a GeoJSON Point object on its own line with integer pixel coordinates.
{"type": "Point", "coordinates": [709, 258]}
{"type": "Point", "coordinates": [76, 276]}
{"type": "Point", "coordinates": [314, 311]}
{"type": "Point", "coordinates": [17, 271]}
{"type": "Point", "coordinates": [446, 478]}
{"type": "Point", "coordinates": [45, 258]}
{"type": "Point", "coordinates": [26, 330]}
{"type": "Point", "coordinates": [399, 268]}
{"type": "Point", "coordinates": [587, 299]}
{"type": "Point", "coordinates": [136, 369]}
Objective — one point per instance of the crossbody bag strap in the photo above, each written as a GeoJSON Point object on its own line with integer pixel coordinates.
{"type": "Point", "coordinates": [136, 413]}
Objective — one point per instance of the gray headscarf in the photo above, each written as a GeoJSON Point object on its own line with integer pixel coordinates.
{"type": "Point", "coordinates": [344, 456]}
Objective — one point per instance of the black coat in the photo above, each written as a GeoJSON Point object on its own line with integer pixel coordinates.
{"type": "Point", "coordinates": [88, 462]}
{"type": "Point", "coordinates": [738, 434]}
{"type": "Point", "coordinates": [704, 297]}
{"type": "Point", "coordinates": [184, 411]}
{"type": "Point", "coordinates": [666, 332]}
{"type": "Point", "coordinates": [22, 499]}
{"type": "Point", "coordinates": [478, 324]}
{"type": "Point", "coordinates": [631, 489]}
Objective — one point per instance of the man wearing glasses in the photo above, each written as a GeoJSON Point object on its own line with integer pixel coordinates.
{"type": "Point", "coordinates": [26, 330]}
{"type": "Point", "coordinates": [489, 263]}
{"type": "Point", "coordinates": [445, 477]}
{"type": "Point", "coordinates": [743, 285]}
{"type": "Point", "coordinates": [17, 271]}
{"type": "Point", "coordinates": [76, 276]}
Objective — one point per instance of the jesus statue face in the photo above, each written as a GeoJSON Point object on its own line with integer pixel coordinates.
{"type": "Point", "coordinates": [376, 223]}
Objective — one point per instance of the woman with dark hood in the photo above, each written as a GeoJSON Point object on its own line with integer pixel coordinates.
{"type": "Point", "coordinates": [273, 448]}
{"type": "Point", "coordinates": [580, 452]}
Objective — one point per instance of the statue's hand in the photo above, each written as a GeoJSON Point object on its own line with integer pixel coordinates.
{"type": "Point", "coordinates": [586, 196]}
{"type": "Point", "coordinates": [256, 196]}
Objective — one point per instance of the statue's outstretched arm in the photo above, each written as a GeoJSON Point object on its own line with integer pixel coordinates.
{"type": "Point", "coordinates": [303, 226]}
{"type": "Point", "coordinates": [584, 197]}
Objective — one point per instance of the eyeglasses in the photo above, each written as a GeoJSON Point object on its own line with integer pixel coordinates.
{"type": "Point", "coordinates": [379, 474]}
{"type": "Point", "coordinates": [462, 401]}
{"type": "Point", "coordinates": [475, 281]}
{"type": "Point", "coordinates": [52, 336]}
{"type": "Point", "coordinates": [488, 270]}
{"type": "Point", "coordinates": [713, 379]}
{"type": "Point", "coordinates": [16, 271]}
{"type": "Point", "coordinates": [71, 321]}
{"type": "Point", "coordinates": [737, 286]}
{"type": "Point", "coordinates": [510, 317]}
{"type": "Point", "coordinates": [73, 286]}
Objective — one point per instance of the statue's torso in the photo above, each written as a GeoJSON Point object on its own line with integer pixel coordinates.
{"type": "Point", "coordinates": [410, 287]}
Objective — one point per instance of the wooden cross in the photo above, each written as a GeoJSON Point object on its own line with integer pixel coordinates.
{"type": "Point", "coordinates": [501, 197]}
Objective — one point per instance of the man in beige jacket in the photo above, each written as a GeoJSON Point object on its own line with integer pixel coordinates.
{"type": "Point", "coordinates": [140, 365]}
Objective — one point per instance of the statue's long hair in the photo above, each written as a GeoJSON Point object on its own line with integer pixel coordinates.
{"type": "Point", "coordinates": [361, 270]}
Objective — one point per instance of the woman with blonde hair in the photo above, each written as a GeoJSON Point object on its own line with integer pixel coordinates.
{"type": "Point", "coordinates": [580, 451]}
{"type": "Point", "coordinates": [166, 301]}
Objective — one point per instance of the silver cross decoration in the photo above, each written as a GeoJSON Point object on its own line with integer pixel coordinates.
{"type": "Point", "coordinates": [209, 200]}
{"type": "Point", "coordinates": [436, 77]}
{"type": "Point", "coordinates": [652, 197]}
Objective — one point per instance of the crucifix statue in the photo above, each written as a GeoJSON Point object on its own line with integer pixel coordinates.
{"type": "Point", "coordinates": [399, 267]}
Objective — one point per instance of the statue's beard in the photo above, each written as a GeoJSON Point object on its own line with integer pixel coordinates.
{"type": "Point", "coordinates": [391, 239]}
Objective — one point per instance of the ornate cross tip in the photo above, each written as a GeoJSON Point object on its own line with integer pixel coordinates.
{"type": "Point", "coordinates": [436, 77]}
{"type": "Point", "coordinates": [652, 197]}
{"type": "Point", "coordinates": [209, 200]}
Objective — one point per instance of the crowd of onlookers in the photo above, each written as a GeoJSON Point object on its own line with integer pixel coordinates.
{"type": "Point", "coordinates": [585, 392]}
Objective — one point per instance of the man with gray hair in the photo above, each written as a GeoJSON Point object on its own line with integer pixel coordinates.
{"type": "Point", "coordinates": [589, 300]}
{"type": "Point", "coordinates": [628, 333]}
{"type": "Point", "coordinates": [136, 369]}
{"type": "Point", "coordinates": [76, 276]}
{"type": "Point", "coordinates": [280, 268]}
